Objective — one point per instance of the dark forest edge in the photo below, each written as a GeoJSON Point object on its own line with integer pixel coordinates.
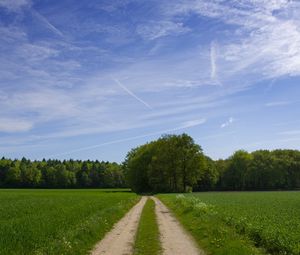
{"type": "Point", "coordinates": [173, 163]}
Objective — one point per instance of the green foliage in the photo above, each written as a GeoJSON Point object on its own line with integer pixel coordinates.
{"type": "Point", "coordinates": [269, 219]}
{"type": "Point", "coordinates": [173, 163]}
{"type": "Point", "coordinates": [211, 233]}
{"type": "Point", "coordinates": [209, 176]}
{"type": "Point", "coordinates": [235, 176]}
{"type": "Point", "coordinates": [57, 174]}
{"type": "Point", "coordinates": [58, 221]}
{"type": "Point", "coordinates": [260, 170]}
{"type": "Point", "coordinates": [147, 239]}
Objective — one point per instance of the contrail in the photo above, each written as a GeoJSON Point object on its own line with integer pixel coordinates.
{"type": "Point", "coordinates": [47, 23]}
{"type": "Point", "coordinates": [213, 65]}
{"type": "Point", "coordinates": [185, 125]}
{"type": "Point", "coordinates": [132, 94]}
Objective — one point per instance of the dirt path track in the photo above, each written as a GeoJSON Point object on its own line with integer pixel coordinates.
{"type": "Point", "coordinates": [120, 240]}
{"type": "Point", "coordinates": [174, 239]}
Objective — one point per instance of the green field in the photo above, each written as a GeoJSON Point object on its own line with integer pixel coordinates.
{"type": "Point", "coordinates": [58, 221]}
{"type": "Point", "coordinates": [72, 221]}
{"type": "Point", "coordinates": [232, 222]}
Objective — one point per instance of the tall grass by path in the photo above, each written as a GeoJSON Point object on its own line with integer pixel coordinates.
{"type": "Point", "coordinates": [211, 234]}
{"type": "Point", "coordinates": [147, 239]}
{"type": "Point", "coordinates": [58, 221]}
{"type": "Point", "coordinates": [270, 220]}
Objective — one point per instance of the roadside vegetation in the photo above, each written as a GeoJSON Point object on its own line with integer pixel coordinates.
{"type": "Point", "coordinates": [147, 239]}
{"type": "Point", "coordinates": [239, 222]}
{"type": "Point", "coordinates": [58, 221]}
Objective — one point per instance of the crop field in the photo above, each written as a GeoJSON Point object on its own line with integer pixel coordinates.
{"type": "Point", "coordinates": [58, 221]}
{"type": "Point", "coordinates": [232, 222]}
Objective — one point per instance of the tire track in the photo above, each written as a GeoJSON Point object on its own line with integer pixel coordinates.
{"type": "Point", "coordinates": [120, 240]}
{"type": "Point", "coordinates": [174, 239]}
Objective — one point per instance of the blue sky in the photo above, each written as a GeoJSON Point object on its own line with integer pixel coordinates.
{"type": "Point", "coordinates": [92, 79]}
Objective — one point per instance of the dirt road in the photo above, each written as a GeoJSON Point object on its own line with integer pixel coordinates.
{"type": "Point", "coordinates": [120, 240]}
{"type": "Point", "coordinates": [174, 239]}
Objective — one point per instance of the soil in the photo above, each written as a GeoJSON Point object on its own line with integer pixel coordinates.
{"type": "Point", "coordinates": [120, 240]}
{"type": "Point", "coordinates": [174, 239]}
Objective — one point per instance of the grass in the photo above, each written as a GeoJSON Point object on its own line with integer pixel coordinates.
{"type": "Point", "coordinates": [212, 235]}
{"type": "Point", "coordinates": [58, 221]}
{"type": "Point", "coordinates": [270, 220]}
{"type": "Point", "coordinates": [147, 238]}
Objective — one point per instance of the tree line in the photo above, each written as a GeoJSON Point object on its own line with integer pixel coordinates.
{"type": "Point", "coordinates": [60, 174]}
{"type": "Point", "coordinates": [173, 163]}
{"type": "Point", "coordinates": [259, 170]}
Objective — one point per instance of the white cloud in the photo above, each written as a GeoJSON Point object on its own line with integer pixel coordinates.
{"type": "Point", "coordinates": [121, 85]}
{"type": "Point", "coordinates": [11, 34]}
{"type": "Point", "coordinates": [185, 125]}
{"type": "Point", "coordinates": [263, 44]}
{"type": "Point", "coordinates": [213, 64]}
{"type": "Point", "coordinates": [228, 122]}
{"type": "Point", "coordinates": [193, 123]}
{"type": "Point", "coordinates": [14, 125]}
{"type": "Point", "coordinates": [111, 6]}
{"type": "Point", "coordinates": [47, 23]}
{"type": "Point", "coordinates": [157, 29]}
{"type": "Point", "coordinates": [14, 5]}
{"type": "Point", "coordinates": [290, 132]}
{"type": "Point", "coordinates": [277, 103]}
{"type": "Point", "coordinates": [34, 52]}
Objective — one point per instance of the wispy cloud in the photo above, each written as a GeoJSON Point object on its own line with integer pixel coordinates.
{"type": "Point", "coordinates": [15, 5]}
{"type": "Point", "coordinates": [213, 62]}
{"type": "Point", "coordinates": [277, 103]}
{"type": "Point", "coordinates": [8, 125]}
{"type": "Point", "coordinates": [154, 30]}
{"type": "Point", "coordinates": [185, 125]}
{"type": "Point", "coordinates": [63, 75]}
{"type": "Point", "coordinates": [265, 42]}
{"type": "Point", "coordinates": [213, 65]}
{"type": "Point", "coordinates": [121, 85]}
{"type": "Point", "coordinates": [228, 122]}
{"type": "Point", "coordinates": [290, 132]}
{"type": "Point", "coordinates": [46, 22]}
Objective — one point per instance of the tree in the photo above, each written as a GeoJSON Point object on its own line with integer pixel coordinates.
{"type": "Point", "coordinates": [209, 176]}
{"type": "Point", "coordinates": [83, 178]}
{"type": "Point", "coordinates": [170, 164]}
{"type": "Point", "coordinates": [191, 161]}
{"type": "Point", "coordinates": [136, 167]}
{"type": "Point", "coordinates": [234, 177]}
{"type": "Point", "coordinates": [4, 168]}
{"type": "Point", "coordinates": [173, 163]}
{"type": "Point", "coordinates": [13, 177]}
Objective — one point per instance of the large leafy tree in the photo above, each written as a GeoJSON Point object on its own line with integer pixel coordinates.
{"type": "Point", "coordinates": [173, 163]}
{"type": "Point", "coordinates": [234, 177]}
